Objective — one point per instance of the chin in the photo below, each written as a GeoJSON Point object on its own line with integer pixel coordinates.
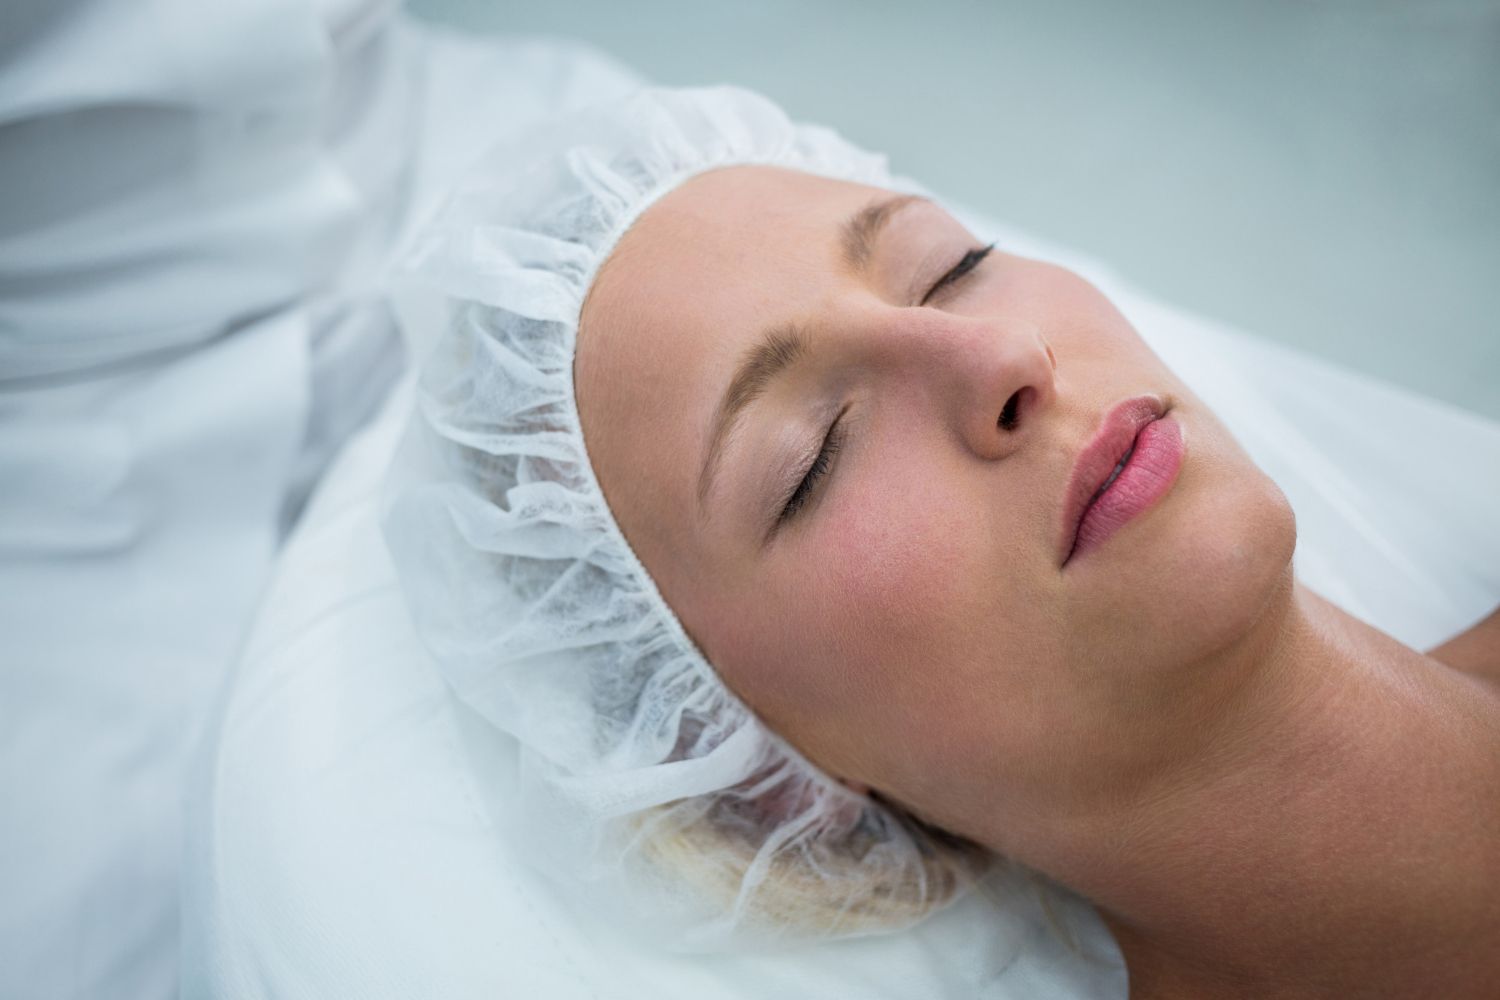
{"type": "Point", "coordinates": [1226, 563]}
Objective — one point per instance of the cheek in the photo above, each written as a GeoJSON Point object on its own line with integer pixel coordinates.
{"type": "Point", "coordinates": [892, 623]}
{"type": "Point", "coordinates": [933, 657]}
{"type": "Point", "coordinates": [895, 553]}
{"type": "Point", "coordinates": [866, 595]}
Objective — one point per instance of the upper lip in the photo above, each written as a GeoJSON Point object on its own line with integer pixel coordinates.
{"type": "Point", "coordinates": [1116, 434]}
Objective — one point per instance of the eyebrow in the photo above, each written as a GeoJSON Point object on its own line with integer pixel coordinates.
{"type": "Point", "coordinates": [862, 231]}
{"type": "Point", "coordinates": [778, 350]}
{"type": "Point", "coordinates": [781, 347]}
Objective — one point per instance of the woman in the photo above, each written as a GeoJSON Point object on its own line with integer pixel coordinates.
{"type": "Point", "coordinates": [822, 552]}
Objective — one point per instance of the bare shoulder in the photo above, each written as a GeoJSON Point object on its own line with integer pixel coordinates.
{"type": "Point", "coordinates": [1474, 651]}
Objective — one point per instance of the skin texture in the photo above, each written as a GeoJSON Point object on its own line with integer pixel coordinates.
{"type": "Point", "coordinates": [1263, 796]}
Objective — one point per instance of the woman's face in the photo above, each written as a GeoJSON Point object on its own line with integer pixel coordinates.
{"type": "Point", "coordinates": [896, 596]}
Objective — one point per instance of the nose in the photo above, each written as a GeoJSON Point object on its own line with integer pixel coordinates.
{"type": "Point", "coordinates": [1001, 379]}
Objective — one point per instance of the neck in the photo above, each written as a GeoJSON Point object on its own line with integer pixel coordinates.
{"type": "Point", "coordinates": [1334, 834]}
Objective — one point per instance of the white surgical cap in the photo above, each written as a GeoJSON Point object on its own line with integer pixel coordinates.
{"type": "Point", "coordinates": [646, 783]}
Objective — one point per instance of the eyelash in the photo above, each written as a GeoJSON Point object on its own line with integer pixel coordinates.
{"type": "Point", "coordinates": [835, 436]}
{"type": "Point", "coordinates": [816, 471]}
{"type": "Point", "coordinates": [965, 264]}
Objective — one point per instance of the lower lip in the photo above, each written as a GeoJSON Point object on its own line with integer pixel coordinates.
{"type": "Point", "coordinates": [1146, 478]}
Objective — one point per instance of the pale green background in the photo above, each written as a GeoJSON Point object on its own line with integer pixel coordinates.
{"type": "Point", "coordinates": [1323, 173]}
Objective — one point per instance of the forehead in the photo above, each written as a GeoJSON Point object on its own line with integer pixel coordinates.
{"type": "Point", "coordinates": [690, 285]}
{"type": "Point", "coordinates": [758, 233]}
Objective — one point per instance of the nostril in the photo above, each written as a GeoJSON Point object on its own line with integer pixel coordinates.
{"type": "Point", "coordinates": [1010, 414]}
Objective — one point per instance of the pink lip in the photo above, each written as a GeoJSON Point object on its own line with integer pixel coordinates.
{"type": "Point", "coordinates": [1090, 517]}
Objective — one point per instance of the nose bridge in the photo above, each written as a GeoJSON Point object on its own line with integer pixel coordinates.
{"type": "Point", "coordinates": [991, 377]}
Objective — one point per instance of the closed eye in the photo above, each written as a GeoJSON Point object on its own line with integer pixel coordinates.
{"type": "Point", "coordinates": [815, 472]}
{"type": "Point", "coordinates": [965, 264]}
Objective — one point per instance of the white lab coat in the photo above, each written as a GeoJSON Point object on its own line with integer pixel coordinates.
{"type": "Point", "coordinates": [197, 203]}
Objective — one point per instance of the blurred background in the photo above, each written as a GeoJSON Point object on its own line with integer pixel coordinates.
{"type": "Point", "coordinates": [1325, 173]}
